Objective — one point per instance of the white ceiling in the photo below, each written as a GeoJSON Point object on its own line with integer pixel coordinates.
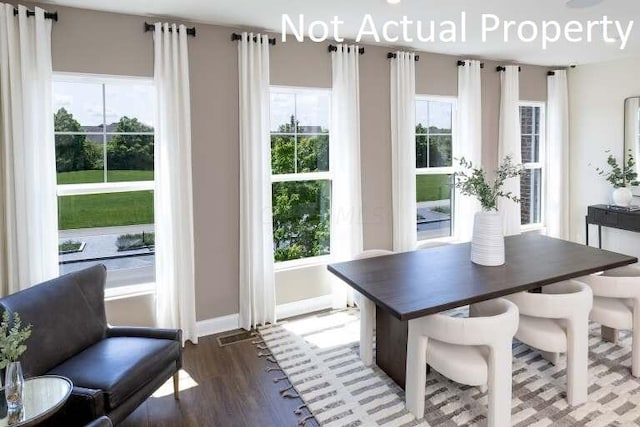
{"type": "Point", "coordinates": [267, 15]}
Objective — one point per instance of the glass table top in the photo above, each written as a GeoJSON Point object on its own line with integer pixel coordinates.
{"type": "Point", "coordinates": [42, 396]}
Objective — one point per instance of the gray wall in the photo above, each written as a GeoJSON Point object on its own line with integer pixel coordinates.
{"type": "Point", "coordinates": [107, 43]}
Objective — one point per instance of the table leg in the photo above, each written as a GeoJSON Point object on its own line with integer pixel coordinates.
{"type": "Point", "coordinates": [599, 237]}
{"type": "Point", "coordinates": [391, 345]}
{"type": "Point", "coordinates": [586, 226]}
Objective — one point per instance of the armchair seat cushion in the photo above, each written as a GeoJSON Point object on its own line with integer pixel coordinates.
{"type": "Point", "coordinates": [119, 366]}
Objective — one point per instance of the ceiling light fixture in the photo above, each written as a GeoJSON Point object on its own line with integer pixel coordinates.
{"type": "Point", "coordinates": [581, 4]}
{"type": "Point", "coordinates": [393, 1]}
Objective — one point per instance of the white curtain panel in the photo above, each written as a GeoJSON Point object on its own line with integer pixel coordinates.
{"type": "Point", "coordinates": [175, 295]}
{"type": "Point", "coordinates": [28, 205]}
{"type": "Point", "coordinates": [403, 150]}
{"type": "Point", "coordinates": [468, 140]}
{"type": "Point", "coordinates": [257, 282]}
{"type": "Point", "coordinates": [346, 208]}
{"type": "Point", "coordinates": [510, 144]}
{"type": "Point", "coordinates": [557, 156]}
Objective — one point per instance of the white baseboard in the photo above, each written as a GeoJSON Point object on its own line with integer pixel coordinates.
{"type": "Point", "coordinates": [297, 308]}
{"type": "Point", "coordinates": [217, 325]}
{"type": "Point", "coordinates": [283, 311]}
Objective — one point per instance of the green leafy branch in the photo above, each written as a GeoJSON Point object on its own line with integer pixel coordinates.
{"type": "Point", "coordinates": [12, 338]}
{"type": "Point", "coordinates": [620, 176]}
{"type": "Point", "coordinates": [472, 181]}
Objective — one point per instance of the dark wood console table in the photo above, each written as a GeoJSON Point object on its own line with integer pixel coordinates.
{"type": "Point", "coordinates": [606, 216]}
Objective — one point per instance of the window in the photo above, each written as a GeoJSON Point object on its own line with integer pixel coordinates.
{"type": "Point", "coordinates": [434, 167]}
{"type": "Point", "coordinates": [531, 185]}
{"type": "Point", "coordinates": [301, 178]}
{"type": "Point", "coordinates": [104, 139]}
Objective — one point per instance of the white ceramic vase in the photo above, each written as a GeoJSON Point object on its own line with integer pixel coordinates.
{"type": "Point", "coordinates": [487, 243]}
{"type": "Point", "coordinates": [622, 196]}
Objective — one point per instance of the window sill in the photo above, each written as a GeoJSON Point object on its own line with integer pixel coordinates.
{"type": "Point", "coordinates": [533, 227]}
{"type": "Point", "coordinates": [302, 263]}
{"type": "Point", "coordinates": [130, 291]}
{"type": "Point", "coordinates": [445, 240]}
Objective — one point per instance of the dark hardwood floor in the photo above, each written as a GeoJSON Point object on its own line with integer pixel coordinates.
{"type": "Point", "coordinates": [233, 390]}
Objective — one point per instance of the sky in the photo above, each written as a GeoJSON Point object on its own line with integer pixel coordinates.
{"type": "Point", "coordinates": [310, 108]}
{"type": "Point", "coordinates": [84, 100]}
{"type": "Point", "coordinates": [434, 113]}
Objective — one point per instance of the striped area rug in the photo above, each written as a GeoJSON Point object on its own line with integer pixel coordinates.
{"type": "Point", "coordinates": [319, 355]}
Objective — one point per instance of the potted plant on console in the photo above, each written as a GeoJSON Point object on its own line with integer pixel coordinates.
{"type": "Point", "coordinates": [621, 177]}
{"type": "Point", "coordinates": [12, 338]}
{"type": "Point", "coordinates": [487, 244]}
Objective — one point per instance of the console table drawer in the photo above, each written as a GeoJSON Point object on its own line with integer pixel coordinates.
{"type": "Point", "coordinates": [628, 222]}
{"type": "Point", "coordinates": [604, 217]}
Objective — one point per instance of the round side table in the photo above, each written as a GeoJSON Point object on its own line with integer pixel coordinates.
{"type": "Point", "coordinates": [41, 397]}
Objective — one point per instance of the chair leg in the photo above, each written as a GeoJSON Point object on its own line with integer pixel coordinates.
{"type": "Point", "coordinates": [416, 372]}
{"type": "Point", "coordinates": [577, 360]}
{"type": "Point", "coordinates": [500, 373]}
{"type": "Point", "coordinates": [367, 318]}
{"type": "Point", "coordinates": [609, 334]}
{"type": "Point", "coordinates": [552, 358]}
{"type": "Point", "coordinates": [176, 385]}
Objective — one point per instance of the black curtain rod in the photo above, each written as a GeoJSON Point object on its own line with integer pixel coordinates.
{"type": "Point", "coordinates": [463, 63]}
{"type": "Point", "coordinates": [334, 48]}
{"type": "Point", "coordinates": [47, 15]}
{"type": "Point", "coordinates": [395, 55]}
{"type": "Point", "coordinates": [150, 27]}
{"type": "Point", "coordinates": [500, 69]}
{"type": "Point", "coordinates": [551, 73]}
{"type": "Point", "coordinates": [236, 36]}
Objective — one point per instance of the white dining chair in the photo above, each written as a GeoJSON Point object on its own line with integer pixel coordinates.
{"type": "Point", "coordinates": [557, 321]}
{"type": "Point", "coordinates": [367, 312]}
{"type": "Point", "coordinates": [616, 305]}
{"type": "Point", "coordinates": [474, 351]}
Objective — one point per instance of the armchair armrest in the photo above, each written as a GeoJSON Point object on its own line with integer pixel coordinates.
{"type": "Point", "coordinates": [83, 406]}
{"type": "Point", "coordinates": [157, 333]}
{"type": "Point", "coordinates": [101, 422]}
{"type": "Point", "coordinates": [88, 398]}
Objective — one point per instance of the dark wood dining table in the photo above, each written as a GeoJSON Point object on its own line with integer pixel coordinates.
{"type": "Point", "coordinates": [408, 285]}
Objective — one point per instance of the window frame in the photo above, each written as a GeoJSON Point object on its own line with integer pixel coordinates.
{"type": "Point", "coordinates": [305, 176]}
{"type": "Point", "coordinates": [540, 164]}
{"type": "Point", "coordinates": [62, 190]}
{"type": "Point", "coordinates": [447, 170]}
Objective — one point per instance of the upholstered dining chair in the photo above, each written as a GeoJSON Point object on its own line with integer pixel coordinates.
{"type": "Point", "coordinates": [557, 321]}
{"type": "Point", "coordinates": [367, 312]}
{"type": "Point", "coordinates": [616, 305]}
{"type": "Point", "coordinates": [474, 351]}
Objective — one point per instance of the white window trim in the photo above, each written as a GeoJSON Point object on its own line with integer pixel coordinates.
{"type": "Point", "coordinates": [540, 164]}
{"type": "Point", "coordinates": [302, 263]}
{"type": "Point", "coordinates": [449, 170]}
{"type": "Point", "coordinates": [129, 291]}
{"type": "Point", "coordinates": [298, 177]}
{"type": "Point", "coordinates": [117, 292]}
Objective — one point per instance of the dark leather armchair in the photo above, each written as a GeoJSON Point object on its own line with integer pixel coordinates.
{"type": "Point", "coordinates": [113, 369]}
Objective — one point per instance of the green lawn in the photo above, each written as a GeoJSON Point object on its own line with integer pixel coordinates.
{"type": "Point", "coordinates": [105, 210]}
{"type": "Point", "coordinates": [93, 176]}
{"type": "Point", "coordinates": [433, 187]}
